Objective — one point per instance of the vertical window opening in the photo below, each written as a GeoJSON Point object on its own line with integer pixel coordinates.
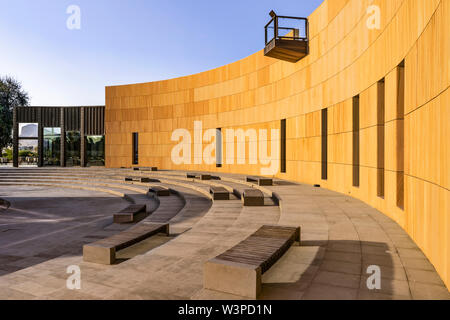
{"type": "Point", "coordinates": [219, 147]}
{"type": "Point", "coordinates": [283, 146]}
{"type": "Point", "coordinates": [380, 137]}
{"type": "Point", "coordinates": [356, 141]}
{"type": "Point", "coordinates": [324, 144]}
{"type": "Point", "coordinates": [401, 135]}
{"type": "Point", "coordinates": [135, 148]}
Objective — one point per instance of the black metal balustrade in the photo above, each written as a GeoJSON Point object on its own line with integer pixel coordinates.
{"type": "Point", "coordinates": [286, 38]}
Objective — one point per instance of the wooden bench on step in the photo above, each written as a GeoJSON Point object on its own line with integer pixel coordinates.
{"type": "Point", "coordinates": [148, 169]}
{"type": "Point", "coordinates": [201, 176]}
{"type": "Point", "coordinates": [261, 181]}
{"type": "Point", "coordinates": [219, 193]}
{"type": "Point", "coordinates": [141, 179]}
{"type": "Point", "coordinates": [252, 198]}
{"type": "Point", "coordinates": [238, 270]}
{"type": "Point", "coordinates": [160, 191]}
{"type": "Point", "coordinates": [147, 180]}
{"type": "Point", "coordinates": [104, 251]}
{"type": "Point", "coordinates": [128, 214]}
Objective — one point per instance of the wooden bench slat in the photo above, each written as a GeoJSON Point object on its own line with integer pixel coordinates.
{"type": "Point", "coordinates": [257, 242]}
{"type": "Point", "coordinates": [239, 269]}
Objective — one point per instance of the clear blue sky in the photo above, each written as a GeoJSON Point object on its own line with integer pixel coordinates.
{"type": "Point", "coordinates": [124, 42]}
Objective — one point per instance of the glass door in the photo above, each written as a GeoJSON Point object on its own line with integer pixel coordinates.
{"type": "Point", "coordinates": [73, 148]}
{"type": "Point", "coordinates": [95, 150]}
{"type": "Point", "coordinates": [52, 146]}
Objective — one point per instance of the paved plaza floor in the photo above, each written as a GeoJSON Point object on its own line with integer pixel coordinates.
{"type": "Point", "coordinates": [46, 218]}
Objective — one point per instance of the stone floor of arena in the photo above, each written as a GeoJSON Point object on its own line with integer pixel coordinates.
{"type": "Point", "coordinates": [48, 214]}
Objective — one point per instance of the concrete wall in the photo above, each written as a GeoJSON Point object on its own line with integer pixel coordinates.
{"type": "Point", "coordinates": [346, 59]}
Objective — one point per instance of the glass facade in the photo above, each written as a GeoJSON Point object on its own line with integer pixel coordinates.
{"type": "Point", "coordinates": [95, 150]}
{"type": "Point", "coordinates": [73, 148]}
{"type": "Point", "coordinates": [28, 152]}
{"type": "Point", "coordinates": [58, 136]}
{"type": "Point", "coordinates": [52, 146]}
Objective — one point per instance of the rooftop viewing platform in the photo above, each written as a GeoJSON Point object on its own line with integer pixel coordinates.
{"type": "Point", "coordinates": [286, 38]}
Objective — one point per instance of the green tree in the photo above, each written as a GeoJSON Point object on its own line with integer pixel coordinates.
{"type": "Point", "coordinates": [11, 95]}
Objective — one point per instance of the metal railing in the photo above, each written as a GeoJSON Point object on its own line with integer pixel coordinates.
{"type": "Point", "coordinates": [288, 28]}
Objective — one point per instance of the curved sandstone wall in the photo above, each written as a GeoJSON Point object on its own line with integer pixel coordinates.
{"type": "Point", "coordinates": [410, 51]}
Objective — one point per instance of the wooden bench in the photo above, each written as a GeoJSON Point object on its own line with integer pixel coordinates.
{"type": "Point", "coordinates": [252, 198]}
{"type": "Point", "coordinates": [260, 180]}
{"type": "Point", "coordinates": [160, 191]}
{"type": "Point", "coordinates": [238, 270]}
{"type": "Point", "coordinates": [104, 251]}
{"type": "Point", "coordinates": [128, 214]}
{"type": "Point", "coordinates": [201, 176]}
{"type": "Point", "coordinates": [219, 193]}
{"type": "Point", "coordinates": [141, 179]}
{"type": "Point", "coordinates": [149, 169]}
{"type": "Point", "coordinates": [147, 180]}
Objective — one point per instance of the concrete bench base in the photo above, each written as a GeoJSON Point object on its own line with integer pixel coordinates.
{"type": "Point", "coordinates": [104, 251]}
{"type": "Point", "coordinates": [232, 277]}
{"type": "Point", "coordinates": [99, 254]}
{"type": "Point", "coordinates": [252, 198]}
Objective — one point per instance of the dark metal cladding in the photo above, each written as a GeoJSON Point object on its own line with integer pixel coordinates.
{"type": "Point", "coordinates": [94, 120]}
{"type": "Point", "coordinates": [72, 118]}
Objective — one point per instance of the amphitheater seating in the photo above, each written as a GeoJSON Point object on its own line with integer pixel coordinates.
{"type": "Point", "coordinates": [260, 180]}
{"type": "Point", "coordinates": [160, 191]}
{"type": "Point", "coordinates": [252, 197]}
{"type": "Point", "coordinates": [201, 176]}
{"type": "Point", "coordinates": [128, 214]}
{"type": "Point", "coordinates": [219, 193]}
{"type": "Point", "coordinates": [238, 270]}
{"type": "Point", "coordinates": [104, 251]}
